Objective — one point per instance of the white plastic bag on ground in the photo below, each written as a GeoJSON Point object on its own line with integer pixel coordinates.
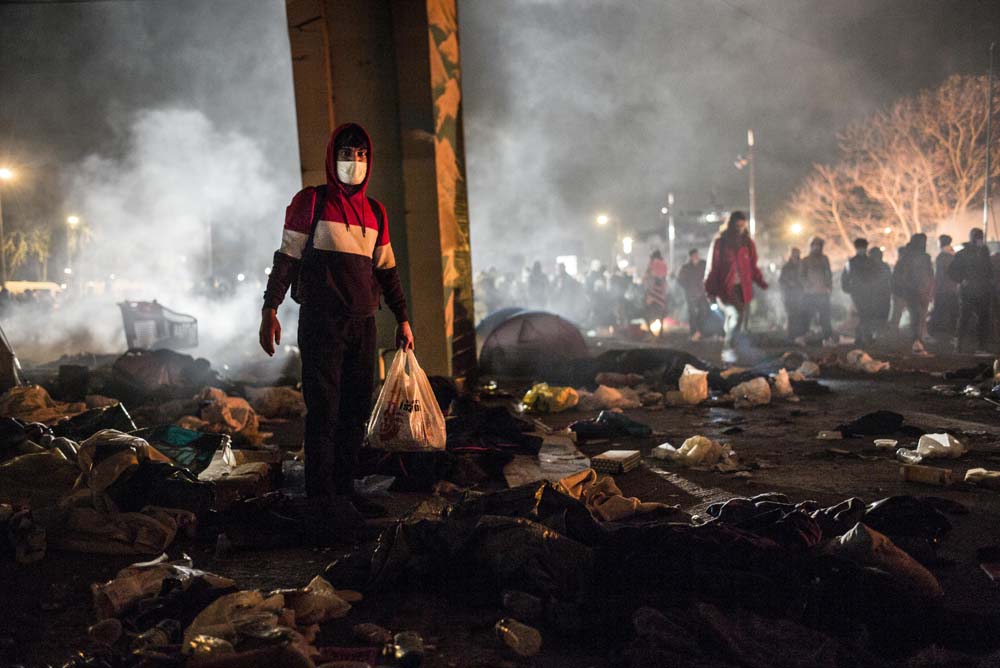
{"type": "Point", "coordinates": [406, 416]}
{"type": "Point", "coordinates": [859, 360]}
{"type": "Point", "coordinates": [983, 478]}
{"type": "Point", "coordinates": [693, 385]}
{"type": "Point", "coordinates": [782, 385]}
{"type": "Point", "coordinates": [755, 392]}
{"type": "Point", "coordinates": [808, 369]}
{"type": "Point", "coordinates": [865, 546]}
{"type": "Point", "coordinates": [932, 446]}
{"type": "Point", "coordinates": [605, 397]}
{"type": "Point", "coordinates": [695, 451]}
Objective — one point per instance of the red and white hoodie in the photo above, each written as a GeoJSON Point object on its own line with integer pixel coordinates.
{"type": "Point", "coordinates": [351, 258]}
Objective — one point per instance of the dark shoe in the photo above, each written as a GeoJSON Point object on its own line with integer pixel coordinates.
{"type": "Point", "coordinates": [367, 507]}
{"type": "Point", "coordinates": [335, 512]}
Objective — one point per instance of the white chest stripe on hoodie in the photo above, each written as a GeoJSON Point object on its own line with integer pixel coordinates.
{"type": "Point", "coordinates": [331, 236]}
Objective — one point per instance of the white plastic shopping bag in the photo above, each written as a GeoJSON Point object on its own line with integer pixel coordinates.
{"type": "Point", "coordinates": [406, 417]}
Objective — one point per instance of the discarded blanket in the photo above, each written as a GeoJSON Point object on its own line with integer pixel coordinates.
{"type": "Point", "coordinates": [605, 500]}
{"type": "Point", "coordinates": [32, 403]}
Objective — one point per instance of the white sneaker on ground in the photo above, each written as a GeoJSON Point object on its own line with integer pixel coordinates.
{"type": "Point", "coordinates": [728, 356]}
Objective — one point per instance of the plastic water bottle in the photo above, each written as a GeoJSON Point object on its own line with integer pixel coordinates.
{"type": "Point", "coordinates": [408, 649]}
{"type": "Point", "coordinates": [521, 638]}
{"type": "Point", "coordinates": [158, 636]}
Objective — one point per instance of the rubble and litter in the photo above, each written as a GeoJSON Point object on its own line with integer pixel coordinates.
{"type": "Point", "coordinates": [605, 397]}
{"type": "Point", "coordinates": [925, 475]}
{"type": "Point", "coordinates": [756, 392]}
{"type": "Point", "coordinates": [693, 385]}
{"type": "Point", "coordinates": [932, 446]}
{"type": "Point", "coordinates": [699, 451]}
{"type": "Point", "coordinates": [609, 424]}
{"type": "Point", "coordinates": [605, 500]}
{"type": "Point", "coordinates": [280, 402]}
{"type": "Point", "coordinates": [616, 461]}
{"type": "Point", "coordinates": [859, 360]}
{"type": "Point", "coordinates": [984, 478]}
{"type": "Point", "coordinates": [544, 399]}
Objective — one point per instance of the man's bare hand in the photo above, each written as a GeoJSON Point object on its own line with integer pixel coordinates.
{"type": "Point", "coordinates": [404, 336]}
{"type": "Point", "coordinates": [270, 330]}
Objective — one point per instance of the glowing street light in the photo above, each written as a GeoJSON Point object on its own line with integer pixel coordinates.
{"type": "Point", "coordinates": [6, 174]}
{"type": "Point", "coordinates": [602, 219]}
{"type": "Point", "coordinates": [73, 221]}
{"type": "Point", "coordinates": [241, 277]}
{"type": "Point", "coordinates": [795, 228]}
{"type": "Point", "coordinates": [627, 245]}
{"type": "Point", "coordinates": [887, 230]}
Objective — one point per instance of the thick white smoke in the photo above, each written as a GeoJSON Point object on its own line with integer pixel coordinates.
{"type": "Point", "coordinates": [148, 215]}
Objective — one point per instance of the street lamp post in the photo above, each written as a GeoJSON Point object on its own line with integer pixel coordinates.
{"type": "Point", "coordinates": [668, 211]}
{"type": "Point", "coordinates": [5, 175]}
{"type": "Point", "coordinates": [602, 220]}
{"type": "Point", "coordinates": [71, 223]}
{"type": "Point", "coordinates": [753, 185]}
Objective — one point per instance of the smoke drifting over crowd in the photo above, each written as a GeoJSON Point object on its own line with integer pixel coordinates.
{"type": "Point", "coordinates": [575, 107]}
{"type": "Point", "coordinates": [158, 124]}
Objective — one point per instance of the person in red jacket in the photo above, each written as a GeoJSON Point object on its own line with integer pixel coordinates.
{"type": "Point", "coordinates": [335, 248]}
{"type": "Point", "coordinates": [732, 275]}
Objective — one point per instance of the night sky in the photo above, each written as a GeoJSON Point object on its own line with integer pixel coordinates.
{"type": "Point", "coordinates": [572, 107]}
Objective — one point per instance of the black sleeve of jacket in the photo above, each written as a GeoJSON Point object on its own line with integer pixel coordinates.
{"type": "Point", "coordinates": [283, 269]}
{"type": "Point", "coordinates": [392, 290]}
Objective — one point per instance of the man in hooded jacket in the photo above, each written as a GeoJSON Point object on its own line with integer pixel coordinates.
{"type": "Point", "coordinates": [336, 256]}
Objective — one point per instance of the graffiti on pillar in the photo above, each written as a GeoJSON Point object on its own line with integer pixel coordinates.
{"type": "Point", "coordinates": [453, 217]}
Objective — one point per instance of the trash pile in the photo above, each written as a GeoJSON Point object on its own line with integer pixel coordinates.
{"type": "Point", "coordinates": [112, 493]}
{"type": "Point", "coordinates": [165, 610]}
{"type": "Point", "coordinates": [577, 557]}
{"type": "Point", "coordinates": [674, 379]}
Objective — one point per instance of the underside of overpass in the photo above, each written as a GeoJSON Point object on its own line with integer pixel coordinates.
{"type": "Point", "coordinates": [393, 66]}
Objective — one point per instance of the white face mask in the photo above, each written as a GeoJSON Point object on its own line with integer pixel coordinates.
{"type": "Point", "coordinates": [350, 172]}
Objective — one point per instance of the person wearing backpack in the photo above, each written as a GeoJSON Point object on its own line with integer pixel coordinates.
{"type": "Point", "coordinates": [972, 271]}
{"type": "Point", "coordinates": [913, 282]}
{"type": "Point", "coordinates": [857, 280]}
{"type": "Point", "coordinates": [336, 257]}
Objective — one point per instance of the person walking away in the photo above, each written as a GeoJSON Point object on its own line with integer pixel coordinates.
{"type": "Point", "coordinates": [817, 286]}
{"type": "Point", "coordinates": [538, 286]}
{"type": "Point", "coordinates": [881, 290]}
{"type": "Point", "coordinates": [972, 270]}
{"type": "Point", "coordinates": [654, 284]}
{"type": "Point", "coordinates": [913, 281]}
{"type": "Point", "coordinates": [335, 249]}
{"type": "Point", "coordinates": [732, 275]}
{"type": "Point", "coordinates": [856, 280]}
{"type": "Point", "coordinates": [944, 317]}
{"type": "Point", "coordinates": [691, 278]}
{"type": "Point", "coordinates": [790, 280]}
{"type": "Point", "coordinates": [898, 302]}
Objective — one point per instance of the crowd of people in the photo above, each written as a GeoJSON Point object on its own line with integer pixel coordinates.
{"type": "Point", "coordinates": [962, 287]}
{"type": "Point", "coordinates": [952, 298]}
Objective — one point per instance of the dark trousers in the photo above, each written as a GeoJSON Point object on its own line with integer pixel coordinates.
{"type": "Point", "coordinates": [918, 317]}
{"type": "Point", "coordinates": [944, 316]}
{"type": "Point", "coordinates": [976, 307]}
{"type": "Point", "coordinates": [817, 305]}
{"type": "Point", "coordinates": [697, 312]}
{"type": "Point", "coordinates": [793, 312]}
{"type": "Point", "coordinates": [869, 324]}
{"type": "Point", "coordinates": [338, 369]}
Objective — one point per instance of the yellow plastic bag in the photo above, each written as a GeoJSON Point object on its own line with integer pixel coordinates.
{"type": "Point", "coordinates": [545, 399]}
